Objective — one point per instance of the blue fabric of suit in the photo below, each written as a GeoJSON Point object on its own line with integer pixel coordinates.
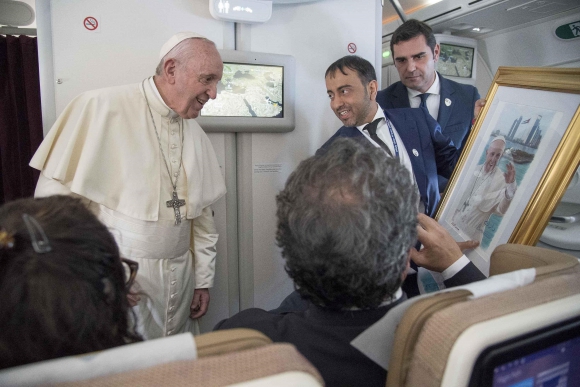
{"type": "Point", "coordinates": [431, 153]}
{"type": "Point", "coordinates": [455, 119]}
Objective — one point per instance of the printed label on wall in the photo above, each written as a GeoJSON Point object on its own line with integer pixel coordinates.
{"type": "Point", "coordinates": [268, 168]}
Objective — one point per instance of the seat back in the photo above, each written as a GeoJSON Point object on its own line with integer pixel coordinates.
{"type": "Point", "coordinates": [137, 356]}
{"type": "Point", "coordinates": [269, 365]}
{"type": "Point", "coordinates": [422, 351]}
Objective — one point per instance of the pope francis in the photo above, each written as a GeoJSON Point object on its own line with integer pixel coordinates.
{"type": "Point", "coordinates": [137, 158]}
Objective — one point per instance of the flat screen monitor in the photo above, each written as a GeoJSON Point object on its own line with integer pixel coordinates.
{"type": "Point", "coordinates": [457, 58]}
{"type": "Point", "coordinates": [255, 94]}
{"type": "Point", "coordinates": [548, 358]}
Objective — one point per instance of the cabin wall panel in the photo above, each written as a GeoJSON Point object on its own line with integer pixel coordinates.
{"type": "Point", "coordinates": [316, 34]}
{"type": "Point", "coordinates": [125, 47]}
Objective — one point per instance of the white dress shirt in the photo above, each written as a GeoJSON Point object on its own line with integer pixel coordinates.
{"type": "Point", "coordinates": [433, 100]}
{"type": "Point", "coordinates": [385, 136]}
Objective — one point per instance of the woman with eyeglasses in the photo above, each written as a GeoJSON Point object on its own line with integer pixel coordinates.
{"type": "Point", "coordinates": [63, 285]}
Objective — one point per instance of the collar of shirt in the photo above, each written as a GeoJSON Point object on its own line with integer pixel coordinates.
{"type": "Point", "coordinates": [382, 132]}
{"type": "Point", "coordinates": [433, 100]}
{"type": "Point", "coordinates": [172, 113]}
{"type": "Point", "coordinates": [378, 114]}
{"type": "Point", "coordinates": [387, 140]}
{"type": "Point", "coordinates": [398, 294]}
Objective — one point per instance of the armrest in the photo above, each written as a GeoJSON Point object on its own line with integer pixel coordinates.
{"type": "Point", "coordinates": [229, 340]}
{"type": "Point", "coordinates": [510, 257]}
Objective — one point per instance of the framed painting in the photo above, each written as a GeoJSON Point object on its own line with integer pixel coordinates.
{"type": "Point", "coordinates": [517, 162]}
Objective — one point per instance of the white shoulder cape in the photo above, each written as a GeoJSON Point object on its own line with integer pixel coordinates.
{"type": "Point", "coordinates": [103, 147]}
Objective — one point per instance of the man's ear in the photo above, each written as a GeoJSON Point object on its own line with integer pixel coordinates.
{"type": "Point", "coordinates": [373, 89]}
{"type": "Point", "coordinates": [404, 274]}
{"type": "Point", "coordinates": [169, 68]}
{"type": "Point", "coordinates": [436, 52]}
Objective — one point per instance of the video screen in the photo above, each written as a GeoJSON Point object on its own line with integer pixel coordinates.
{"type": "Point", "coordinates": [558, 365]}
{"type": "Point", "coordinates": [248, 91]}
{"type": "Point", "coordinates": [455, 61]}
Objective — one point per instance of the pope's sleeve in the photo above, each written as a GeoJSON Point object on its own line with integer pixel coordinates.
{"type": "Point", "coordinates": [204, 239]}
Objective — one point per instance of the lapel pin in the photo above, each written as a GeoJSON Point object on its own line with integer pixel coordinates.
{"type": "Point", "coordinates": [447, 102]}
{"type": "Point", "coordinates": [415, 153]}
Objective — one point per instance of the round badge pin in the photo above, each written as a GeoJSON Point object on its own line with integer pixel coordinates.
{"type": "Point", "coordinates": [447, 102]}
{"type": "Point", "coordinates": [415, 153]}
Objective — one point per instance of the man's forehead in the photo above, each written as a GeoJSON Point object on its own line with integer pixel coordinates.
{"type": "Point", "coordinates": [340, 76]}
{"type": "Point", "coordinates": [208, 61]}
{"type": "Point", "coordinates": [410, 47]}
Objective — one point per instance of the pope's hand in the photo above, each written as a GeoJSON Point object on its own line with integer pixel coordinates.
{"type": "Point", "coordinates": [200, 303]}
{"type": "Point", "coordinates": [510, 175]}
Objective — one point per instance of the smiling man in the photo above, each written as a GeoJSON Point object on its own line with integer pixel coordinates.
{"type": "Point", "coordinates": [149, 172]}
{"type": "Point", "coordinates": [410, 135]}
{"type": "Point", "coordinates": [415, 53]}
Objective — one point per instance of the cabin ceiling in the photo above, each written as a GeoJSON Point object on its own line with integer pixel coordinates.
{"type": "Point", "coordinates": [459, 17]}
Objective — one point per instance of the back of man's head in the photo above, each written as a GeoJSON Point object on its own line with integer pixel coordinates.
{"type": "Point", "coordinates": [346, 221]}
{"type": "Point", "coordinates": [411, 29]}
{"type": "Point", "coordinates": [363, 68]}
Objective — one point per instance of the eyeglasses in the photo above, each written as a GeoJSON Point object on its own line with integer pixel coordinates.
{"type": "Point", "coordinates": [130, 269]}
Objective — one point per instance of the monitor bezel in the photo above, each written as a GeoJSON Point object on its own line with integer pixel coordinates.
{"type": "Point", "coordinates": [461, 42]}
{"type": "Point", "coordinates": [258, 124]}
{"type": "Point", "coordinates": [515, 348]}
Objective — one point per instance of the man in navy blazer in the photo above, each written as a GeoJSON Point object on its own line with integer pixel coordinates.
{"type": "Point", "coordinates": [415, 52]}
{"type": "Point", "coordinates": [411, 135]}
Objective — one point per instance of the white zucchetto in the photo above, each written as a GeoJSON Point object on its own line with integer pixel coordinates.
{"type": "Point", "coordinates": [175, 40]}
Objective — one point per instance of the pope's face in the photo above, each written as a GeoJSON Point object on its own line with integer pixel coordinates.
{"type": "Point", "coordinates": [352, 102]}
{"type": "Point", "coordinates": [415, 63]}
{"type": "Point", "coordinates": [493, 154]}
{"type": "Point", "coordinates": [196, 81]}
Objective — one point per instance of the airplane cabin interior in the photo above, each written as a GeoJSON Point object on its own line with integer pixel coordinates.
{"type": "Point", "coordinates": [519, 327]}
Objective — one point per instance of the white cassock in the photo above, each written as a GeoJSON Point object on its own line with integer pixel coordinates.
{"type": "Point", "coordinates": [103, 148]}
{"type": "Point", "coordinates": [486, 194]}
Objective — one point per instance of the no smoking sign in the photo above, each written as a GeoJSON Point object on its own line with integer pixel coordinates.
{"type": "Point", "coordinates": [91, 24]}
{"type": "Point", "coordinates": [351, 48]}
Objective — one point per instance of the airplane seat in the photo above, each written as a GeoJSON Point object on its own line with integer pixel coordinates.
{"type": "Point", "coordinates": [240, 357]}
{"type": "Point", "coordinates": [459, 338]}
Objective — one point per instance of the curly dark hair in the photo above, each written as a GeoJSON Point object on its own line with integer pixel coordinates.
{"type": "Point", "coordinates": [363, 68]}
{"type": "Point", "coordinates": [411, 29]}
{"type": "Point", "coordinates": [67, 301]}
{"type": "Point", "coordinates": [346, 221]}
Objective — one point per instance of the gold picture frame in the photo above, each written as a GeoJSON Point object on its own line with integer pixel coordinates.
{"type": "Point", "coordinates": [544, 104]}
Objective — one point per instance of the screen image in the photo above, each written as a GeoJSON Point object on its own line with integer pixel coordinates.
{"type": "Point", "coordinates": [556, 366]}
{"type": "Point", "coordinates": [248, 91]}
{"type": "Point", "coordinates": [455, 61]}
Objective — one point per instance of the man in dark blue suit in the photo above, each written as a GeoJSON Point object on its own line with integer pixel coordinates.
{"type": "Point", "coordinates": [415, 53]}
{"type": "Point", "coordinates": [411, 135]}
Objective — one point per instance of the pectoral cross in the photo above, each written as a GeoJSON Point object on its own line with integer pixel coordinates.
{"type": "Point", "coordinates": [176, 202]}
{"type": "Point", "coordinates": [465, 204]}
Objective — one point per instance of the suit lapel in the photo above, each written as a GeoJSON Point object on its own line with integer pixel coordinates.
{"type": "Point", "coordinates": [446, 93]}
{"type": "Point", "coordinates": [406, 126]}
